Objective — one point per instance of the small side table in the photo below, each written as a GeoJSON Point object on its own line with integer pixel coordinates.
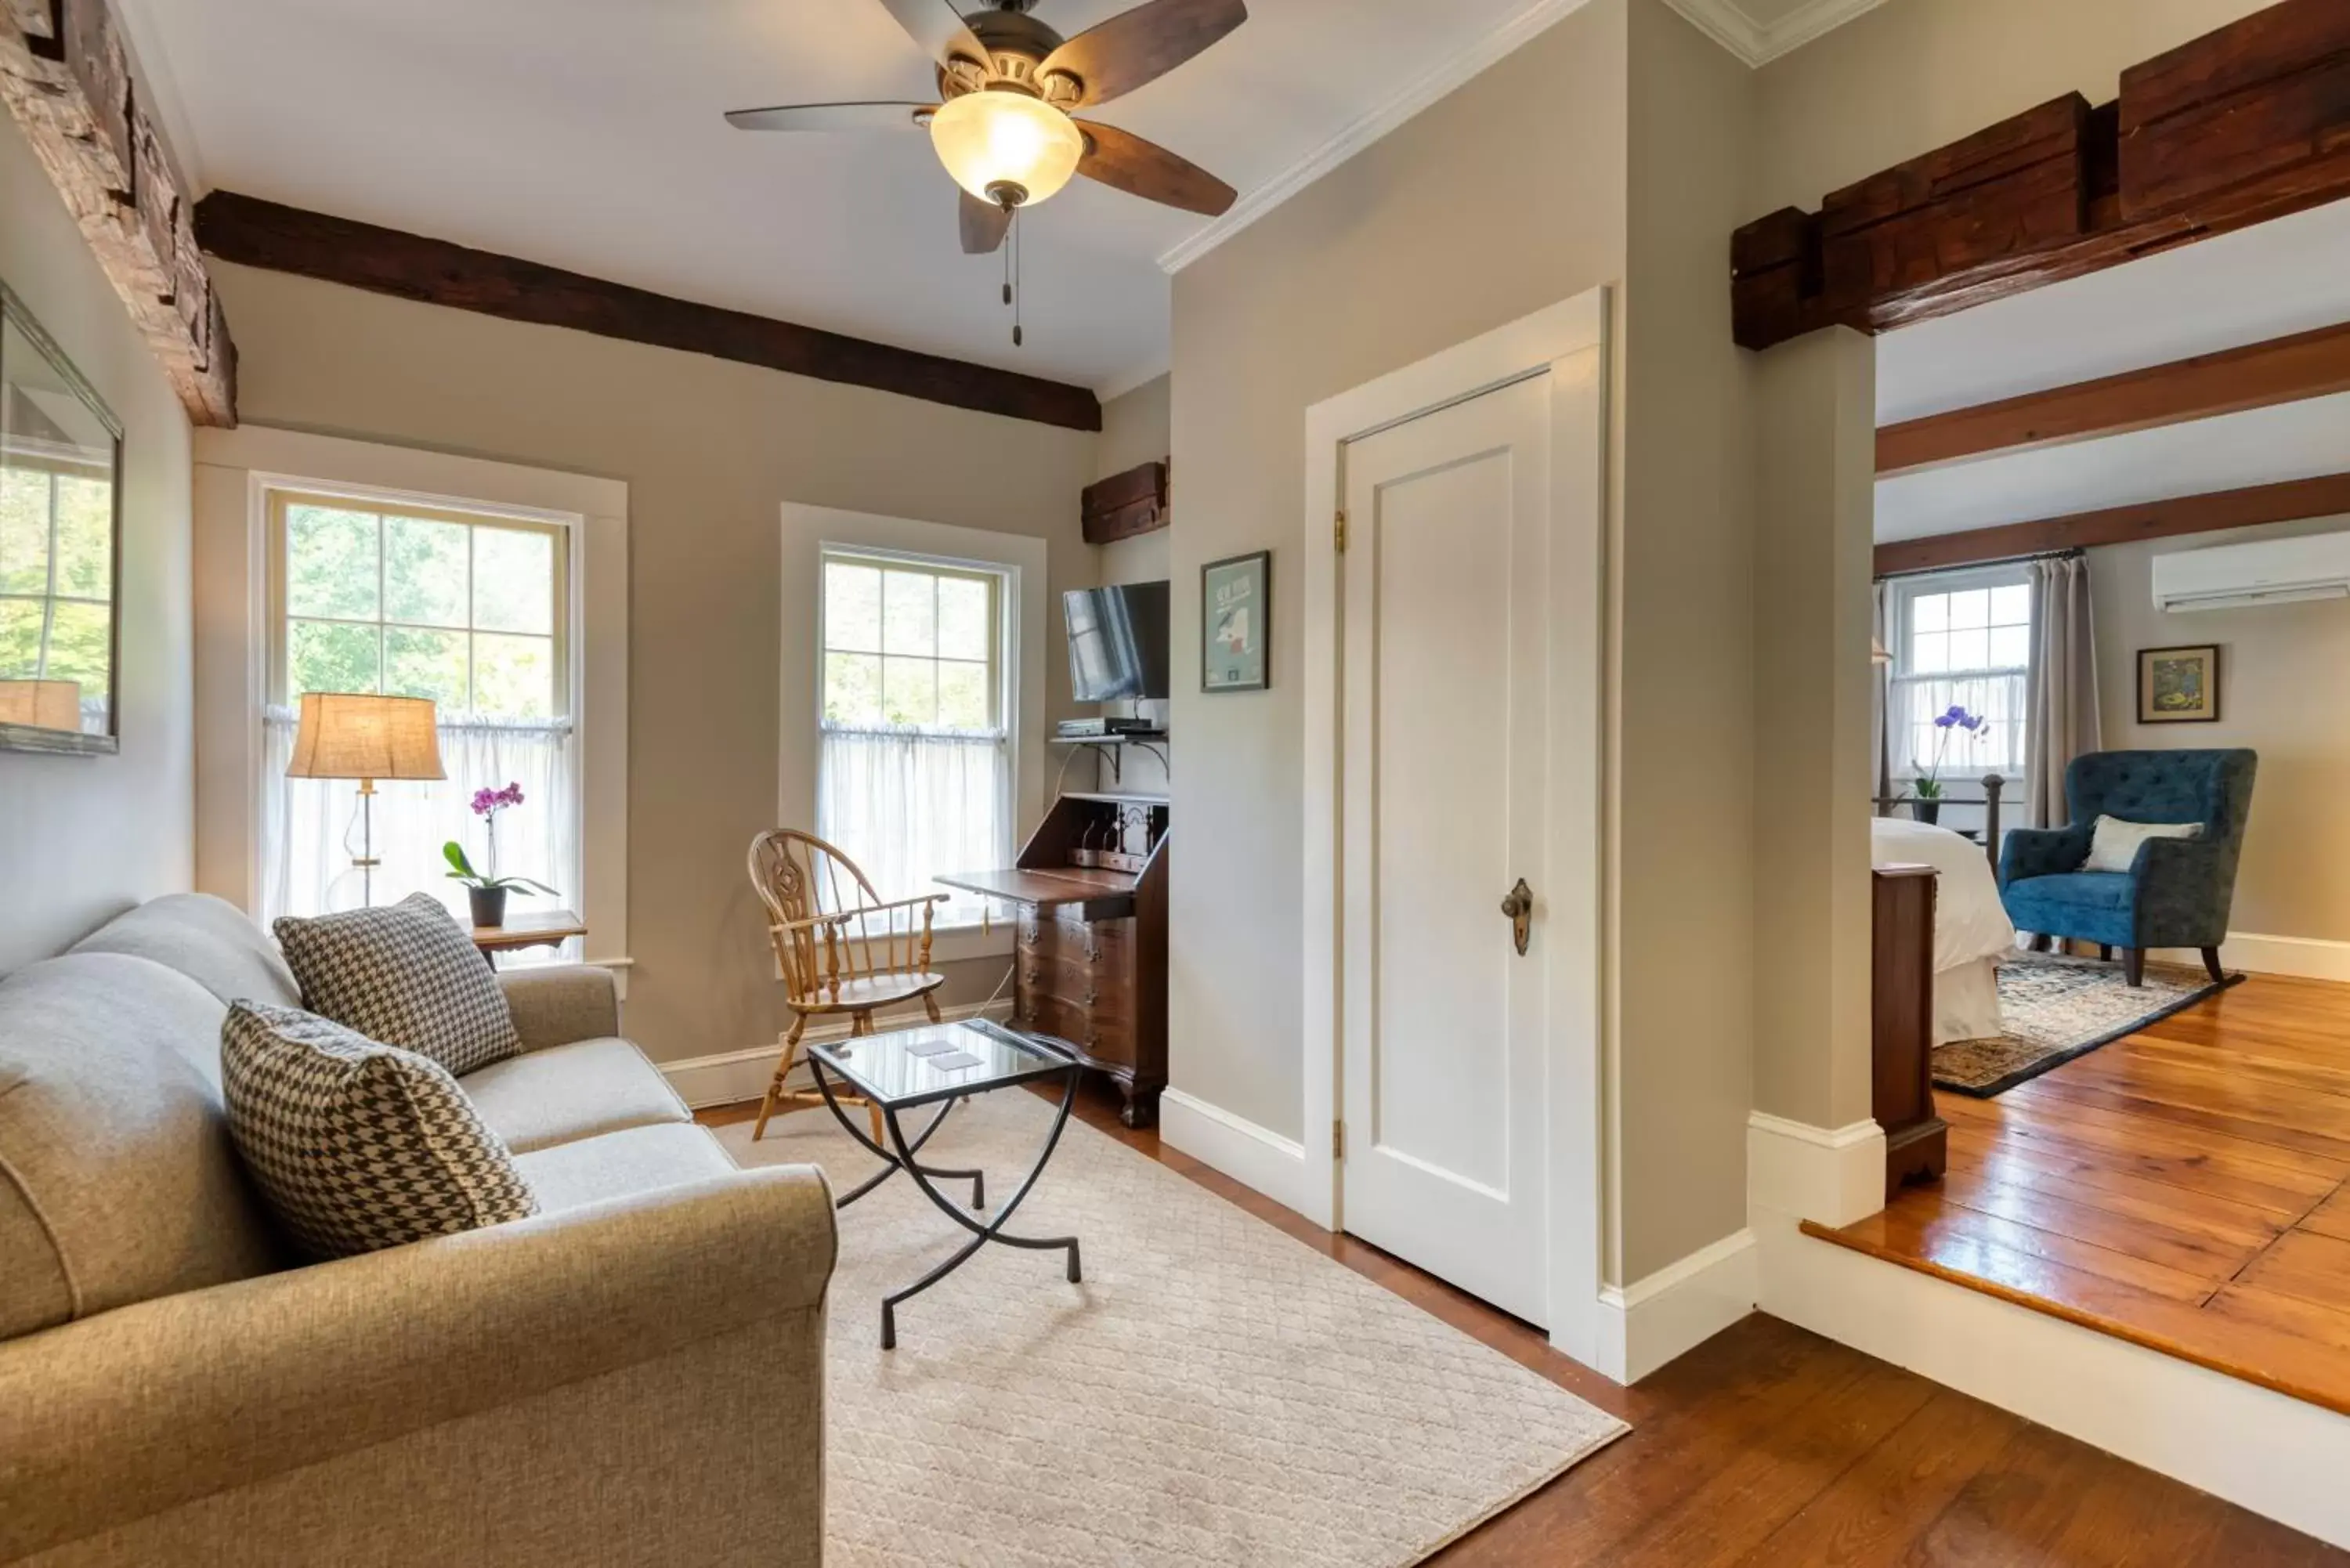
{"type": "Point", "coordinates": [541, 929]}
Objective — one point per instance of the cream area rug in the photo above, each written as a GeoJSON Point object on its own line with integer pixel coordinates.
{"type": "Point", "coordinates": [2053, 1008]}
{"type": "Point", "coordinates": [1213, 1393]}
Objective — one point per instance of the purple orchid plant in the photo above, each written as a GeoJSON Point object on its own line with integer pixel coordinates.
{"type": "Point", "coordinates": [487, 803]}
{"type": "Point", "coordinates": [1929, 784]}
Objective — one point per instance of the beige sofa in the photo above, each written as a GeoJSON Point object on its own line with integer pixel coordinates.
{"type": "Point", "coordinates": [634, 1376]}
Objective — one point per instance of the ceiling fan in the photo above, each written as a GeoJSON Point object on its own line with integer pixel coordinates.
{"type": "Point", "coordinates": [1009, 85]}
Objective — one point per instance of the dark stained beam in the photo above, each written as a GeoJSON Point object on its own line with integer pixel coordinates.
{"type": "Point", "coordinates": [2262, 374]}
{"type": "Point", "coordinates": [1127, 504]}
{"type": "Point", "coordinates": [254, 232]}
{"type": "Point", "coordinates": [2327, 496]}
{"type": "Point", "coordinates": [2248, 123]}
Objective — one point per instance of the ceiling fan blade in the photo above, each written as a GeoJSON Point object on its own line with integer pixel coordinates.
{"type": "Point", "coordinates": [984, 224]}
{"type": "Point", "coordinates": [940, 28]}
{"type": "Point", "coordinates": [832, 117]}
{"type": "Point", "coordinates": [1142, 44]}
{"type": "Point", "coordinates": [1123, 160]}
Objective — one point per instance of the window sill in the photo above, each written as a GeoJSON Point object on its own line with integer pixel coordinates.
{"type": "Point", "coordinates": [964, 944]}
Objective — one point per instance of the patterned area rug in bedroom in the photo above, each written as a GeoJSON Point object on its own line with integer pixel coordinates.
{"type": "Point", "coordinates": [2059, 1008]}
{"type": "Point", "coordinates": [1215, 1393]}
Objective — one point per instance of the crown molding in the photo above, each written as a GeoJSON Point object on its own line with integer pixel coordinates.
{"type": "Point", "coordinates": [1447, 75]}
{"type": "Point", "coordinates": [1727, 24]}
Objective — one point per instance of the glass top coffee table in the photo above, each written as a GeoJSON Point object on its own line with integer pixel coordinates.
{"type": "Point", "coordinates": [944, 1065]}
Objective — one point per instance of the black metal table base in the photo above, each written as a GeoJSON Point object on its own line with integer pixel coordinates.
{"type": "Point", "coordinates": [904, 1159]}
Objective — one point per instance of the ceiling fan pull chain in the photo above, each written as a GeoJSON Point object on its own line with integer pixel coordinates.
{"type": "Point", "coordinates": [1017, 337]}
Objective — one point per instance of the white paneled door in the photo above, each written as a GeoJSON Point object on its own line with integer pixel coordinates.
{"type": "Point", "coordinates": [1448, 744]}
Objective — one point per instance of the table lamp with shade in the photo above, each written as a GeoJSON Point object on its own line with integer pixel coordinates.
{"type": "Point", "coordinates": [363, 736]}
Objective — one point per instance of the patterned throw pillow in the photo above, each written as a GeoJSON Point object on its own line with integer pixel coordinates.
{"type": "Point", "coordinates": [406, 975]}
{"type": "Point", "coordinates": [359, 1145]}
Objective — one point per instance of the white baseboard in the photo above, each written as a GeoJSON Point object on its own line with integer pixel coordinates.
{"type": "Point", "coordinates": [733, 1077]}
{"type": "Point", "coordinates": [1249, 1154]}
{"type": "Point", "coordinates": [1644, 1326]}
{"type": "Point", "coordinates": [2305, 957]}
{"type": "Point", "coordinates": [1833, 1175]}
{"type": "Point", "coordinates": [2277, 1456]}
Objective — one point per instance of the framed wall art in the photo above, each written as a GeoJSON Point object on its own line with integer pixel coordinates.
{"type": "Point", "coordinates": [1236, 623]}
{"type": "Point", "coordinates": [2179, 685]}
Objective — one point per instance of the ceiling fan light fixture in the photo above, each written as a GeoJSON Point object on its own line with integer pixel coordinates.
{"type": "Point", "coordinates": [1007, 147]}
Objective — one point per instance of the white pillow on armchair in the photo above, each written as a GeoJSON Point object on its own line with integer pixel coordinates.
{"type": "Point", "coordinates": [2112, 846]}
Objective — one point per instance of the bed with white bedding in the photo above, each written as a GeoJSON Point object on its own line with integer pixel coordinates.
{"type": "Point", "coordinates": [1972, 929]}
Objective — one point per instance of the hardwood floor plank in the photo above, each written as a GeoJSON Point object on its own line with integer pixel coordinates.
{"type": "Point", "coordinates": [2012, 1509]}
{"type": "Point", "coordinates": [2177, 1254]}
{"type": "Point", "coordinates": [2124, 1192]}
{"type": "Point", "coordinates": [2285, 1202]}
{"type": "Point", "coordinates": [1966, 1212]}
{"type": "Point", "coordinates": [2189, 1107]}
{"type": "Point", "coordinates": [2327, 1324]}
{"type": "Point", "coordinates": [2289, 1169]}
{"type": "Point", "coordinates": [2314, 1267]}
{"type": "Point", "coordinates": [2331, 1218]}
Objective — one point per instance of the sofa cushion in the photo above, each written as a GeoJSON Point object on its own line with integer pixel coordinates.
{"type": "Point", "coordinates": [404, 975]}
{"type": "Point", "coordinates": [118, 1180]}
{"type": "Point", "coordinates": [209, 939]}
{"type": "Point", "coordinates": [359, 1145]}
{"type": "Point", "coordinates": [2082, 890]}
{"type": "Point", "coordinates": [619, 1163]}
{"type": "Point", "coordinates": [566, 1091]}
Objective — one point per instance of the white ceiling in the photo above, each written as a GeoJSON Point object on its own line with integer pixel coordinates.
{"type": "Point", "coordinates": [2257, 283]}
{"type": "Point", "coordinates": [585, 134]}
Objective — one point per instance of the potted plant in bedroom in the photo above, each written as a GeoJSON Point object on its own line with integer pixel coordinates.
{"type": "Point", "coordinates": [1927, 793]}
{"type": "Point", "coordinates": [488, 894]}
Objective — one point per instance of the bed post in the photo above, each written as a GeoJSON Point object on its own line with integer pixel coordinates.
{"type": "Point", "coordinates": [1992, 785]}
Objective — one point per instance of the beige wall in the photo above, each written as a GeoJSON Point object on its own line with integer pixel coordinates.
{"type": "Point", "coordinates": [2282, 669]}
{"type": "Point", "coordinates": [82, 838]}
{"type": "Point", "coordinates": [710, 451]}
{"type": "Point", "coordinates": [1503, 198]}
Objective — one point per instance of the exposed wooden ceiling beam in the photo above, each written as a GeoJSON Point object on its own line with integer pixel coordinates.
{"type": "Point", "coordinates": [2327, 496]}
{"type": "Point", "coordinates": [2248, 123]}
{"type": "Point", "coordinates": [2262, 374]}
{"type": "Point", "coordinates": [65, 77]}
{"type": "Point", "coordinates": [260, 234]}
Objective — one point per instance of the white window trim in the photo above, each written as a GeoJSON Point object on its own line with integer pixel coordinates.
{"type": "Point", "coordinates": [2004, 575]}
{"type": "Point", "coordinates": [808, 533]}
{"type": "Point", "coordinates": [237, 473]}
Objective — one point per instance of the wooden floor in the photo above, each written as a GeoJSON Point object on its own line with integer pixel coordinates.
{"type": "Point", "coordinates": [1772, 1447]}
{"type": "Point", "coordinates": [2184, 1188]}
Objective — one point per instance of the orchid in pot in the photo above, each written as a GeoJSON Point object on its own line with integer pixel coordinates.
{"type": "Point", "coordinates": [1927, 790]}
{"type": "Point", "coordinates": [488, 894]}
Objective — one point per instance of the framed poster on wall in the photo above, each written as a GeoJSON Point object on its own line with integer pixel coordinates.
{"type": "Point", "coordinates": [1236, 623]}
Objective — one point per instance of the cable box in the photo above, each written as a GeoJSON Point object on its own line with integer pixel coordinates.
{"type": "Point", "coordinates": [1087, 729]}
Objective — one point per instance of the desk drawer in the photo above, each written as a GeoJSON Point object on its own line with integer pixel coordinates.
{"type": "Point", "coordinates": [1103, 1032]}
{"type": "Point", "coordinates": [1104, 944]}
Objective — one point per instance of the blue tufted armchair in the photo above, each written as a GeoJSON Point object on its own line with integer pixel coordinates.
{"type": "Point", "coordinates": [2175, 894]}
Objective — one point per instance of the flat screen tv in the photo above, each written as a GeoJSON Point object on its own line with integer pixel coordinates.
{"type": "Point", "coordinates": [1119, 642]}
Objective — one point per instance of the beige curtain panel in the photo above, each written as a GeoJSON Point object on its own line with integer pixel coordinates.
{"type": "Point", "coordinates": [2061, 702]}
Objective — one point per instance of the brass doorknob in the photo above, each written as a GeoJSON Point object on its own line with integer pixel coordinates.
{"type": "Point", "coordinates": [1520, 907]}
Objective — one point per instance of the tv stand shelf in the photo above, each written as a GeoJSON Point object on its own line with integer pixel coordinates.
{"type": "Point", "coordinates": [1110, 747]}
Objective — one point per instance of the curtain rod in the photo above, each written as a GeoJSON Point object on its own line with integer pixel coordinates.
{"type": "Point", "coordinates": [2072, 552]}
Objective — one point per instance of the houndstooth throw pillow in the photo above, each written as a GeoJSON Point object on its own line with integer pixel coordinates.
{"type": "Point", "coordinates": [357, 1146]}
{"type": "Point", "coordinates": [406, 975]}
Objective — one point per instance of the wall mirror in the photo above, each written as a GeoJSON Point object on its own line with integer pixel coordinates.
{"type": "Point", "coordinates": [61, 546]}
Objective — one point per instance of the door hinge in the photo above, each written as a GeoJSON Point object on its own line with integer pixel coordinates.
{"type": "Point", "coordinates": [1337, 1140]}
{"type": "Point", "coordinates": [1338, 533]}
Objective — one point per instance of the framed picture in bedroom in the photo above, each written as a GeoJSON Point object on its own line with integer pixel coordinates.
{"type": "Point", "coordinates": [2179, 685]}
{"type": "Point", "coordinates": [1236, 623]}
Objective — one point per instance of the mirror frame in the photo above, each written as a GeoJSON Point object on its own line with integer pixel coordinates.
{"type": "Point", "coordinates": [28, 737]}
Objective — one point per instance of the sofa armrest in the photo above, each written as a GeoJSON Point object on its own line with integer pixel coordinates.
{"type": "Point", "coordinates": [2041, 852]}
{"type": "Point", "coordinates": [150, 1407]}
{"type": "Point", "coordinates": [561, 1004]}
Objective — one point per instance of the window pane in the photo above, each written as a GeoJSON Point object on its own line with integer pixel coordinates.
{"type": "Point", "coordinates": [85, 539]}
{"type": "Point", "coordinates": [1970, 608]}
{"type": "Point", "coordinates": [20, 638]}
{"type": "Point", "coordinates": [514, 581]}
{"type": "Point", "coordinates": [2011, 647]}
{"type": "Point", "coordinates": [962, 619]}
{"type": "Point", "coordinates": [909, 690]}
{"type": "Point", "coordinates": [426, 664]}
{"type": "Point", "coordinates": [852, 607]}
{"type": "Point", "coordinates": [910, 604]}
{"type": "Point", "coordinates": [1930, 612]}
{"type": "Point", "coordinates": [323, 657]}
{"type": "Point", "coordinates": [1929, 652]}
{"type": "Point", "coordinates": [513, 677]}
{"type": "Point", "coordinates": [1969, 649]}
{"type": "Point", "coordinates": [2012, 606]}
{"type": "Point", "coordinates": [24, 531]}
{"type": "Point", "coordinates": [424, 573]}
{"type": "Point", "coordinates": [78, 638]}
{"type": "Point", "coordinates": [962, 697]}
{"type": "Point", "coordinates": [330, 569]}
{"type": "Point", "coordinates": [852, 684]}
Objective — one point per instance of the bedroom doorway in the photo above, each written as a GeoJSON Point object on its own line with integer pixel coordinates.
{"type": "Point", "coordinates": [1462, 782]}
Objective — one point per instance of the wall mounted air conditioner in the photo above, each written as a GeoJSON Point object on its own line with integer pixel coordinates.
{"type": "Point", "coordinates": [2237, 576]}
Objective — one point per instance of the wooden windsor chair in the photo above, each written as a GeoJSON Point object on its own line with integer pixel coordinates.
{"type": "Point", "coordinates": [842, 950]}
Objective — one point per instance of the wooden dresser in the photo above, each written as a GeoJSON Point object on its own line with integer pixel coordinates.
{"type": "Point", "coordinates": [1091, 965]}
